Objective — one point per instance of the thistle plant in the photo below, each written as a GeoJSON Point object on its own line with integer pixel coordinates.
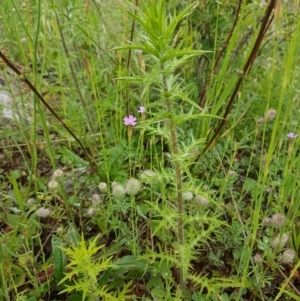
{"type": "Point", "coordinates": [164, 59]}
{"type": "Point", "coordinates": [84, 272]}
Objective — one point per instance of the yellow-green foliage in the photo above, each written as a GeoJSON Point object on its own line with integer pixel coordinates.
{"type": "Point", "coordinates": [83, 272]}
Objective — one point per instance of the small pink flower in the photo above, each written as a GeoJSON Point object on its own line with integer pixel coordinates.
{"type": "Point", "coordinates": [142, 110]}
{"type": "Point", "coordinates": [130, 120]}
{"type": "Point", "coordinates": [292, 135]}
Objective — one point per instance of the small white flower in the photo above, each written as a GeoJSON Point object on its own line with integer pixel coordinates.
{"type": "Point", "coordinates": [271, 114]}
{"type": "Point", "coordinates": [113, 184]}
{"type": "Point", "coordinates": [201, 200]}
{"type": "Point", "coordinates": [187, 195]}
{"type": "Point", "coordinates": [288, 256]}
{"type": "Point", "coordinates": [91, 212]}
{"type": "Point", "coordinates": [57, 174]}
{"type": "Point", "coordinates": [267, 221]}
{"type": "Point", "coordinates": [260, 120]}
{"type": "Point", "coordinates": [280, 241]}
{"type": "Point", "coordinates": [31, 201]}
{"type": "Point", "coordinates": [52, 185]}
{"type": "Point", "coordinates": [257, 258]}
{"type": "Point", "coordinates": [278, 220]}
{"type": "Point", "coordinates": [96, 199]}
{"type": "Point", "coordinates": [102, 187]}
{"type": "Point", "coordinates": [133, 186]}
{"type": "Point", "coordinates": [118, 191]}
{"type": "Point", "coordinates": [43, 212]}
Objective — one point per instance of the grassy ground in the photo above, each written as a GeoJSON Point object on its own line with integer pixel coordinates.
{"type": "Point", "coordinates": [149, 152]}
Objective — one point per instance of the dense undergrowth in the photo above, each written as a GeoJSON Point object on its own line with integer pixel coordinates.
{"type": "Point", "coordinates": [149, 150]}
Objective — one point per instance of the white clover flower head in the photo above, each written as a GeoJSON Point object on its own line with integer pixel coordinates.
{"type": "Point", "coordinates": [148, 176]}
{"type": "Point", "coordinates": [201, 200]}
{"type": "Point", "coordinates": [288, 256]}
{"type": "Point", "coordinates": [267, 221]}
{"type": "Point", "coordinates": [260, 120]}
{"type": "Point", "coordinates": [52, 185]}
{"type": "Point", "coordinates": [257, 258]}
{"type": "Point", "coordinates": [280, 241]}
{"type": "Point", "coordinates": [31, 201]}
{"type": "Point", "coordinates": [57, 174]}
{"type": "Point", "coordinates": [102, 187]}
{"type": "Point", "coordinates": [187, 196]}
{"type": "Point", "coordinates": [113, 184]}
{"type": "Point", "coordinates": [96, 199]}
{"type": "Point", "coordinates": [278, 220]}
{"type": "Point", "coordinates": [91, 212]}
{"type": "Point", "coordinates": [133, 186]}
{"type": "Point", "coordinates": [43, 212]}
{"type": "Point", "coordinates": [271, 114]}
{"type": "Point", "coordinates": [118, 191]}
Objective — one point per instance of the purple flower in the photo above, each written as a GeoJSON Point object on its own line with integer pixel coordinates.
{"type": "Point", "coordinates": [141, 109]}
{"type": "Point", "coordinates": [292, 135]}
{"type": "Point", "coordinates": [130, 120]}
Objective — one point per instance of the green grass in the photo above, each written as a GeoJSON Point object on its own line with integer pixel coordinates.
{"type": "Point", "coordinates": [198, 200]}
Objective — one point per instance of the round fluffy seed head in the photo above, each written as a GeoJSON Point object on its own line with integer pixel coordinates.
{"type": "Point", "coordinates": [91, 212]}
{"type": "Point", "coordinates": [187, 195]}
{"type": "Point", "coordinates": [43, 212]}
{"type": "Point", "coordinates": [96, 199]}
{"type": "Point", "coordinates": [288, 256]}
{"type": "Point", "coordinates": [201, 200]}
{"type": "Point", "coordinates": [280, 241]}
{"type": "Point", "coordinates": [278, 220]}
{"type": "Point", "coordinates": [148, 176]}
{"type": "Point", "coordinates": [267, 221]}
{"type": "Point", "coordinates": [260, 120]}
{"type": "Point", "coordinates": [57, 174]}
{"type": "Point", "coordinates": [52, 185]}
{"type": "Point", "coordinates": [31, 201]}
{"type": "Point", "coordinates": [257, 258]}
{"type": "Point", "coordinates": [118, 191]}
{"type": "Point", "coordinates": [133, 186]}
{"type": "Point", "coordinates": [113, 184]}
{"type": "Point", "coordinates": [271, 114]}
{"type": "Point", "coordinates": [102, 187]}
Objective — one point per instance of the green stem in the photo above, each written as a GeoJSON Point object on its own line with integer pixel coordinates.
{"type": "Point", "coordinates": [177, 171]}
